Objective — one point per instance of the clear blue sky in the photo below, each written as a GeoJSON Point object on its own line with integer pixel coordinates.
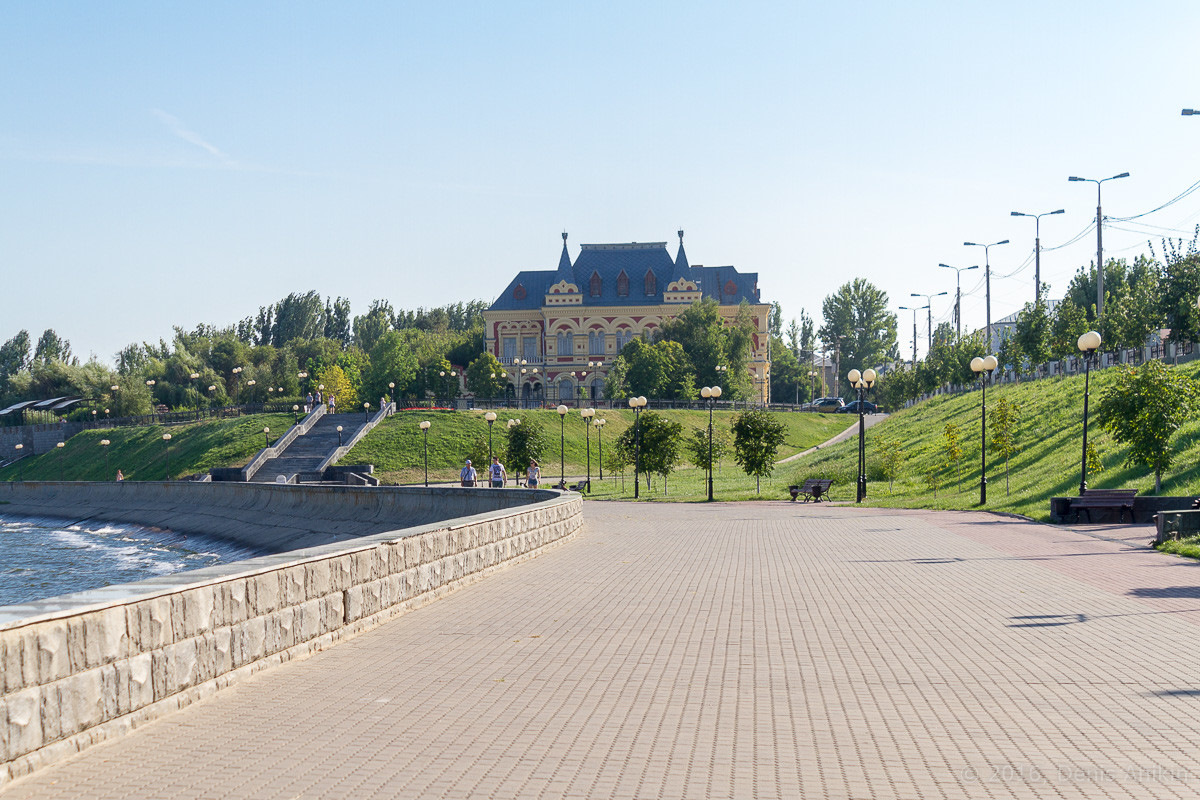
{"type": "Point", "coordinates": [165, 164]}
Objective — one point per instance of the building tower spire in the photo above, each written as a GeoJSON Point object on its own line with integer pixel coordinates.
{"type": "Point", "coordinates": [564, 262]}
{"type": "Point", "coordinates": [681, 262]}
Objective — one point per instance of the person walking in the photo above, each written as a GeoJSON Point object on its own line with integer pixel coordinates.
{"type": "Point", "coordinates": [332, 403]}
{"type": "Point", "coordinates": [318, 400]}
{"type": "Point", "coordinates": [468, 475]}
{"type": "Point", "coordinates": [533, 475]}
{"type": "Point", "coordinates": [497, 473]}
{"type": "Point", "coordinates": [120, 475]}
{"type": "Point", "coordinates": [308, 404]}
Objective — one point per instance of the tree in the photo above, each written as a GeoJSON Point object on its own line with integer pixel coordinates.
{"type": "Point", "coordinates": [1143, 407]}
{"type": "Point", "coordinates": [1094, 465]}
{"type": "Point", "coordinates": [1068, 323]}
{"type": "Point", "coordinates": [891, 451]}
{"type": "Point", "coordinates": [1006, 416]}
{"type": "Point", "coordinates": [484, 377]}
{"type": "Point", "coordinates": [1180, 287]}
{"type": "Point", "coordinates": [337, 321]}
{"type": "Point", "coordinates": [756, 440]}
{"type": "Point", "coordinates": [52, 347]}
{"type": "Point", "coordinates": [370, 327]}
{"type": "Point", "coordinates": [392, 361]}
{"type": "Point", "coordinates": [526, 443]}
{"type": "Point", "coordinates": [952, 449]}
{"type": "Point", "coordinates": [297, 316]}
{"type": "Point", "coordinates": [338, 386]}
{"type": "Point", "coordinates": [1032, 333]}
{"type": "Point", "coordinates": [661, 370]}
{"type": "Point", "coordinates": [859, 326]}
{"type": "Point", "coordinates": [661, 440]}
{"type": "Point", "coordinates": [697, 447]}
{"type": "Point", "coordinates": [14, 359]}
{"type": "Point", "coordinates": [700, 331]}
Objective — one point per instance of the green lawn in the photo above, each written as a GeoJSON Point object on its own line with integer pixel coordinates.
{"type": "Point", "coordinates": [1050, 440]}
{"type": "Point", "coordinates": [395, 446]}
{"type": "Point", "coordinates": [140, 452]}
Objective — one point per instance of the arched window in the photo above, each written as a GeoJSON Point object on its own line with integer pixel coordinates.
{"type": "Point", "coordinates": [596, 343]}
{"type": "Point", "coordinates": [566, 343]}
{"type": "Point", "coordinates": [651, 284]}
{"type": "Point", "coordinates": [622, 285]}
{"type": "Point", "coordinates": [596, 284]}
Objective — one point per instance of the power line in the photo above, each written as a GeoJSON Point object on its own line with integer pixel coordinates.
{"type": "Point", "coordinates": [1170, 202]}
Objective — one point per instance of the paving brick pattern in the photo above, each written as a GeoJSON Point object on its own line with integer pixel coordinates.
{"type": "Point", "coordinates": [739, 650]}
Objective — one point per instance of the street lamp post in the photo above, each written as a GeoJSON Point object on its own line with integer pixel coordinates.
{"type": "Point", "coordinates": [587, 414]}
{"type": "Point", "coordinates": [1037, 248]}
{"type": "Point", "coordinates": [1099, 238]}
{"type": "Point", "coordinates": [366, 411]}
{"type": "Point", "coordinates": [491, 420]}
{"type": "Point", "coordinates": [958, 271]}
{"type": "Point", "coordinates": [105, 443]}
{"type": "Point", "coordinates": [637, 404]}
{"type": "Point", "coordinates": [425, 430]}
{"type": "Point", "coordinates": [60, 447]}
{"type": "Point", "coordinates": [711, 394]}
{"type": "Point", "coordinates": [391, 391]}
{"type": "Point", "coordinates": [983, 368]}
{"type": "Point", "coordinates": [914, 309]}
{"type": "Point", "coordinates": [339, 431]}
{"type": "Point", "coordinates": [987, 278]}
{"type": "Point", "coordinates": [295, 414]}
{"type": "Point", "coordinates": [20, 463]}
{"type": "Point", "coordinates": [1088, 344]}
{"type": "Point", "coordinates": [267, 436]}
{"type": "Point", "coordinates": [929, 312]}
{"type": "Point", "coordinates": [562, 442]}
{"type": "Point", "coordinates": [600, 423]}
{"type": "Point", "coordinates": [236, 372]}
{"type": "Point", "coordinates": [862, 381]}
{"type": "Point", "coordinates": [166, 437]}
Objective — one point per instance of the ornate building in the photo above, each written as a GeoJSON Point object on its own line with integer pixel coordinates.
{"type": "Point", "coordinates": [560, 329]}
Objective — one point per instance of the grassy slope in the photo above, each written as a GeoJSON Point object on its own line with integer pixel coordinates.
{"type": "Point", "coordinates": [1050, 440]}
{"type": "Point", "coordinates": [395, 446]}
{"type": "Point", "coordinates": [139, 452]}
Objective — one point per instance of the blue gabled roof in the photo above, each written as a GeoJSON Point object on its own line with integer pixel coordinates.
{"type": "Point", "coordinates": [528, 289]}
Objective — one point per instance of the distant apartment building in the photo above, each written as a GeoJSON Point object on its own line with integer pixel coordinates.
{"type": "Point", "coordinates": [557, 331]}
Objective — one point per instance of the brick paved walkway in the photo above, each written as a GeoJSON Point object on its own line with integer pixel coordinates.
{"type": "Point", "coordinates": [739, 650]}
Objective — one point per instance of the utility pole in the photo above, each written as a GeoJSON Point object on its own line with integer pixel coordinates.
{"type": "Point", "coordinates": [987, 272]}
{"type": "Point", "coordinates": [958, 295]}
{"type": "Point", "coordinates": [914, 309]}
{"type": "Point", "coordinates": [1037, 249]}
{"type": "Point", "coordinates": [1099, 238]}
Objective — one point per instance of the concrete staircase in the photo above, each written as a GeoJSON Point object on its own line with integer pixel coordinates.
{"type": "Point", "coordinates": [311, 452]}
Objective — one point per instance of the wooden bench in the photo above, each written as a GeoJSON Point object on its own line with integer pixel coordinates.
{"type": "Point", "coordinates": [1120, 499]}
{"type": "Point", "coordinates": [582, 486]}
{"type": "Point", "coordinates": [813, 489]}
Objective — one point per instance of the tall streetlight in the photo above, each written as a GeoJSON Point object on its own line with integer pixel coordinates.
{"type": "Point", "coordinates": [958, 271]}
{"type": "Point", "coordinates": [491, 420]}
{"type": "Point", "coordinates": [983, 368]}
{"type": "Point", "coordinates": [1037, 248]}
{"type": "Point", "coordinates": [425, 430]}
{"type": "Point", "coordinates": [267, 436]}
{"type": "Point", "coordinates": [105, 443]}
{"type": "Point", "coordinates": [587, 414]}
{"type": "Point", "coordinates": [914, 309]}
{"type": "Point", "coordinates": [1099, 238]}
{"type": "Point", "coordinates": [295, 414]}
{"type": "Point", "coordinates": [166, 437]}
{"type": "Point", "coordinates": [366, 413]}
{"type": "Point", "coordinates": [987, 277]}
{"type": "Point", "coordinates": [236, 372]}
{"type": "Point", "coordinates": [862, 381]}
{"type": "Point", "coordinates": [637, 404]}
{"type": "Point", "coordinates": [812, 376]}
{"type": "Point", "coordinates": [600, 423]}
{"type": "Point", "coordinates": [711, 394]}
{"type": "Point", "coordinates": [1088, 343]}
{"type": "Point", "coordinates": [562, 446]}
{"type": "Point", "coordinates": [339, 432]}
{"type": "Point", "coordinates": [929, 307]}
{"type": "Point", "coordinates": [20, 464]}
{"type": "Point", "coordinates": [391, 391]}
{"type": "Point", "coordinates": [60, 447]}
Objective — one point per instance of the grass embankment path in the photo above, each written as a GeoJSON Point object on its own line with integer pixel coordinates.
{"type": "Point", "coordinates": [1049, 435]}
{"type": "Point", "coordinates": [395, 447]}
{"type": "Point", "coordinates": [141, 455]}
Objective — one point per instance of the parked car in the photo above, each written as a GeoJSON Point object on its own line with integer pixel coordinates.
{"type": "Point", "coordinates": [852, 407]}
{"type": "Point", "coordinates": [828, 404]}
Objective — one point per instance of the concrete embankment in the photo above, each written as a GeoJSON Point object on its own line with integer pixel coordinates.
{"type": "Point", "coordinates": [77, 669]}
{"type": "Point", "coordinates": [267, 517]}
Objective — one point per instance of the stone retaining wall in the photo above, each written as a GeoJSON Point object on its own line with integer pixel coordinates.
{"type": "Point", "coordinates": [90, 666]}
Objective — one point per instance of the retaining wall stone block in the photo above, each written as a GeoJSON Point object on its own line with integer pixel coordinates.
{"type": "Point", "coordinates": [266, 593]}
{"type": "Point", "coordinates": [141, 680]}
{"type": "Point", "coordinates": [198, 613]}
{"type": "Point", "coordinates": [316, 579]}
{"type": "Point", "coordinates": [339, 573]}
{"type": "Point", "coordinates": [53, 661]}
{"type": "Point", "coordinates": [222, 650]}
{"type": "Point", "coordinates": [353, 600]}
{"type": "Point", "coordinates": [181, 665]}
{"type": "Point", "coordinates": [237, 603]}
{"type": "Point", "coordinates": [310, 619]}
{"type": "Point", "coordinates": [158, 674]}
{"type": "Point", "coordinates": [19, 652]}
{"type": "Point", "coordinates": [24, 722]}
{"type": "Point", "coordinates": [293, 582]}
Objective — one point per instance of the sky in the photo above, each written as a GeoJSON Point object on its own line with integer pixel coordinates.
{"type": "Point", "coordinates": [168, 164]}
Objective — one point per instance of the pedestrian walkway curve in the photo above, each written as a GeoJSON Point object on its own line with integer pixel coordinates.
{"type": "Point", "coordinates": [740, 650]}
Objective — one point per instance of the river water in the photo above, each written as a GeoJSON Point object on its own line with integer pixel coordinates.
{"type": "Point", "coordinates": [42, 558]}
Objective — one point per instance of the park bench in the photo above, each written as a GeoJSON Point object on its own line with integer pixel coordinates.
{"type": "Point", "coordinates": [813, 489]}
{"type": "Point", "coordinates": [1120, 499]}
{"type": "Point", "coordinates": [582, 486]}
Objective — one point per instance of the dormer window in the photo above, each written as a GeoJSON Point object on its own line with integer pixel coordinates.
{"type": "Point", "coordinates": [595, 284]}
{"type": "Point", "coordinates": [651, 284]}
{"type": "Point", "coordinates": [623, 285]}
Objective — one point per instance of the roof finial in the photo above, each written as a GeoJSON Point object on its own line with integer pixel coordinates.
{"type": "Point", "coordinates": [564, 237]}
{"type": "Point", "coordinates": [681, 237]}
